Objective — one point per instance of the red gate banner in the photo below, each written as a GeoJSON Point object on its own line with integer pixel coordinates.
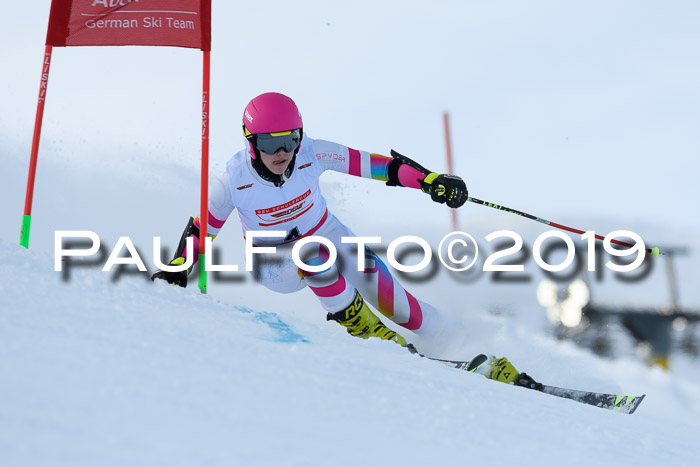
{"type": "Point", "coordinates": [177, 23]}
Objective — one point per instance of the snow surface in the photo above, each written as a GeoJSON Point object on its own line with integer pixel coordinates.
{"type": "Point", "coordinates": [546, 100]}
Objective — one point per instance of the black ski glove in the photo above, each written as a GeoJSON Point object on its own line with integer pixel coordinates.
{"type": "Point", "coordinates": [175, 278]}
{"type": "Point", "coordinates": [445, 188]}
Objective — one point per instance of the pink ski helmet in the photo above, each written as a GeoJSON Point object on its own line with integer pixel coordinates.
{"type": "Point", "coordinates": [271, 112]}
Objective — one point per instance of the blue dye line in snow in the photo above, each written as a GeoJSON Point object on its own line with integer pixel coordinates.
{"type": "Point", "coordinates": [283, 332]}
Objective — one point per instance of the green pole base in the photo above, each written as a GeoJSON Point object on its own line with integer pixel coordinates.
{"type": "Point", "coordinates": [26, 227]}
{"type": "Point", "coordinates": [202, 274]}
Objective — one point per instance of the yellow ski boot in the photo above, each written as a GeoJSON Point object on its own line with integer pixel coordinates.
{"type": "Point", "coordinates": [499, 369]}
{"type": "Point", "coordinates": [362, 323]}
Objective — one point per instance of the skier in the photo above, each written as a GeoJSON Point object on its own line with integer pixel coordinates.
{"type": "Point", "coordinates": [273, 183]}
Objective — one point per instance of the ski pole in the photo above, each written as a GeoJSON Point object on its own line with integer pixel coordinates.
{"type": "Point", "coordinates": [654, 251]}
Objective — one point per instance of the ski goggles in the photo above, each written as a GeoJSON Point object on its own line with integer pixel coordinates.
{"type": "Point", "coordinates": [270, 143]}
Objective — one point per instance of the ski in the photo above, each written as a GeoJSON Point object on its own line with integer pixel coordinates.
{"type": "Point", "coordinates": [615, 402]}
{"type": "Point", "coordinates": [618, 403]}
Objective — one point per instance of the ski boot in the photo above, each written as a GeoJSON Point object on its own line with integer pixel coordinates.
{"type": "Point", "coordinates": [361, 322]}
{"type": "Point", "coordinates": [500, 369]}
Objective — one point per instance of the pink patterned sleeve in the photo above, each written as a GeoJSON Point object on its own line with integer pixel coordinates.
{"type": "Point", "coordinates": [339, 158]}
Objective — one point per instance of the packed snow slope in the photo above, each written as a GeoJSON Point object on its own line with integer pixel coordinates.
{"type": "Point", "coordinates": [111, 369]}
{"type": "Point", "coordinates": [583, 112]}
